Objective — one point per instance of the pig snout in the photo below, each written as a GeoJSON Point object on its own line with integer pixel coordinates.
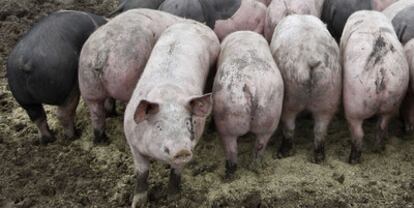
{"type": "Point", "coordinates": [183, 156]}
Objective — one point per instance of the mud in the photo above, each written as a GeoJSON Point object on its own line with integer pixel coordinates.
{"type": "Point", "coordinates": [79, 174]}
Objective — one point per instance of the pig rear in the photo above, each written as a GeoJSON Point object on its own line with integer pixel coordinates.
{"type": "Point", "coordinates": [308, 58]}
{"type": "Point", "coordinates": [248, 94]}
{"type": "Point", "coordinates": [376, 75]}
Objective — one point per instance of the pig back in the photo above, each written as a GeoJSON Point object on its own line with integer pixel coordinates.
{"type": "Point", "coordinates": [181, 57]}
{"type": "Point", "coordinates": [371, 51]}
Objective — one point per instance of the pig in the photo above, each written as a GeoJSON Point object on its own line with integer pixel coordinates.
{"type": "Point", "coordinates": [165, 117]}
{"type": "Point", "coordinates": [125, 5]}
{"type": "Point", "coordinates": [407, 108]}
{"type": "Point", "coordinates": [247, 94]}
{"type": "Point", "coordinates": [250, 16]}
{"type": "Point", "coordinates": [279, 9]}
{"type": "Point", "coordinates": [396, 7]}
{"type": "Point", "coordinates": [43, 68]}
{"type": "Point", "coordinates": [404, 25]}
{"type": "Point", "coordinates": [336, 12]}
{"type": "Point", "coordinates": [224, 17]}
{"type": "Point", "coordinates": [265, 2]}
{"type": "Point", "coordinates": [309, 61]}
{"type": "Point", "coordinates": [376, 76]}
{"type": "Point", "coordinates": [380, 5]}
{"type": "Point", "coordinates": [113, 59]}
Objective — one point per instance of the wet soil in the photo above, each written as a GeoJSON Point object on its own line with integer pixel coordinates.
{"type": "Point", "coordinates": [79, 174]}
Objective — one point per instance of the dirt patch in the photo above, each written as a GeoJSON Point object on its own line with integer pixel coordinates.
{"type": "Point", "coordinates": [79, 174]}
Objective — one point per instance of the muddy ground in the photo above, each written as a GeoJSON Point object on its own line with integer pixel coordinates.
{"type": "Point", "coordinates": [79, 174]}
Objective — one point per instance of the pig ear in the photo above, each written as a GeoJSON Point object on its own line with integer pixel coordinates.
{"type": "Point", "coordinates": [144, 110]}
{"type": "Point", "coordinates": [201, 106]}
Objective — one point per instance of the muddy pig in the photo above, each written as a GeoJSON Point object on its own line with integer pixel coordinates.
{"type": "Point", "coordinates": [125, 5]}
{"type": "Point", "coordinates": [376, 75]}
{"type": "Point", "coordinates": [336, 12]}
{"type": "Point", "coordinates": [407, 108]}
{"type": "Point", "coordinates": [308, 58]}
{"type": "Point", "coordinates": [43, 68]}
{"type": "Point", "coordinates": [114, 57]}
{"type": "Point", "coordinates": [224, 17]}
{"type": "Point", "coordinates": [247, 94]}
{"type": "Point", "coordinates": [279, 9]}
{"type": "Point", "coordinates": [166, 115]}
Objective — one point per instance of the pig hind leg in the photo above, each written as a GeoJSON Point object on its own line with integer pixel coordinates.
{"type": "Point", "coordinates": [66, 114]}
{"type": "Point", "coordinates": [286, 148]}
{"type": "Point", "coordinates": [381, 132]}
{"type": "Point", "coordinates": [98, 114]}
{"type": "Point", "coordinates": [320, 128]}
{"type": "Point", "coordinates": [37, 114]}
{"type": "Point", "coordinates": [357, 134]}
{"type": "Point", "coordinates": [262, 140]}
{"type": "Point", "coordinates": [230, 146]}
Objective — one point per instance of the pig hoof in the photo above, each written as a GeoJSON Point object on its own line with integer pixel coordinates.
{"type": "Point", "coordinates": [100, 138]}
{"type": "Point", "coordinates": [319, 158]}
{"type": "Point", "coordinates": [139, 200]}
{"type": "Point", "coordinates": [47, 139]}
{"type": "Point", "coordinates": [76, 135]}
{"type": "Point", "coordinates": [284, 152]}
{"type": "Point", "coordinates": [231, 168]}
{"type": "Point", "coordinates": [111, 114]}
{"type": "Point", "coordinates": [355, 157]}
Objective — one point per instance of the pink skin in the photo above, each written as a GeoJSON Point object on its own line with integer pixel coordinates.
{"type": "Point", "coordinates": [114, 57]}
{"type": "Point", "coordinates": [396, 7]}
{"type": "Point", "coordinates": [380, 5]}
{"type": "Point", "coordinates": [250, 16]}
{"type": "Point", "coordinates": [265, 2]}
{"type": "Point", "coordinates": [279, 9]}
{"type": "Point", "coordinates": [166, 114]}
{"type": "Point", "coordinates": [248, 94]}
{"type": "Point", "coordinates": [308, 58]}
{"type": "Point", "coordinates": [376, 75]}
{"type": "Point", "coordinates": [407, 108]}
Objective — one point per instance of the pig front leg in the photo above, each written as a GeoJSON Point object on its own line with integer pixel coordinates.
{"type": "Point", "coordinates": [320, 129]}
{"type": "Point", "coordinates": [230, 146]}
{"type": "Point", "coordinates": [98, 114]}
{"type": "Point", "coordinates": [110, 107]}
{"type": "Point", "coordinates": [66, 114]}
{"type": "Point", "coordinates": [381, 132]}
{"type": "Point", "coordinates": [286, 147]}
{"type": "Point", "coordinates": [174, 184]}
{"type": "Point", "coordinates": [357, 134]}
{"type": "Point", "coordinates": [37, 114]}
{"type": "Point", "coordinates": [141, 180]}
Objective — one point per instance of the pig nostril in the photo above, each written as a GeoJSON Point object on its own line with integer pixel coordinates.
{"type": "Point", "coordinates": [183, 154]}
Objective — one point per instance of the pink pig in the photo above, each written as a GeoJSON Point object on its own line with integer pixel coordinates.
{"type": "Point", "coordinates": [376, 75]}
{"type": "Point", "coordinates": [247, 93]}
{"type": "Point", "coordinates": [166, 115]}
{"type": "Point", "coordinates": [114, 57]}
